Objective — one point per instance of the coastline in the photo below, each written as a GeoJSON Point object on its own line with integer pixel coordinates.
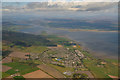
{"type": "Point", "coordinates": [98, 54]}
{"type": "Point", "coordinates": [90, 62]}
{"type": "Point", "coordinates": [91, 52]}
{"type": "Point", "coordinates": [83, 47]}
{"type": "Point", "coordinates": [89, 30]}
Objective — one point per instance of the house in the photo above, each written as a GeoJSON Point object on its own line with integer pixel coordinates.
{"type": "Point", "coordinates": [103, 63]}
{"type": "Point", "coordinates": [74, 46]}
{"type": "Point", "coordinates": [27, 56]}
{"type": "Point", "coordinates": [59, 46]}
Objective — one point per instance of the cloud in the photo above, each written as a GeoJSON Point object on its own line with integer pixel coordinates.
{"type": "Point", "coordinates": [98, 6]}
{"type": "Point", "coordinates": [101, 0]}
{"type": "Point", "coordinates": [73, 6]}
{"type": "Point", "coordinates": [60, 0]}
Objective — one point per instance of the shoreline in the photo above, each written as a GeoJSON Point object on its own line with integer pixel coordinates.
{"type": "Point", "coordinates": [98, 54]}
{"type": "Point", "coordinates": [89, 30]}
{"type": "Point", "coordinates": [91, 52]}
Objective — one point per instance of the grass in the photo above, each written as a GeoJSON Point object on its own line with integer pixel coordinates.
{"type": "Point", "coordinates": [61, 69]}
{"type": "Point", "coordinates": [19, 78]}
{"type": "Point", "coordinates": [51, 52]}
{"type": "Point", "coordinates": [90, 63]}
{"type": "Point", "coordinates": [97, 72]}
{"type": "Point", "coordinates": [5, 75]}
{"type": "Point", "coordinates": [58, 39]}
{"type": "Point", "coordinates": [11, 71]}
{"type": "Point", "coordinates": [112, 69]}
{"type": "Point", "coordinates": [112, 60]}
{"type": "Point", "coordinates": [37, 62]}
{"type": "Point", "coordinates": [34, 49]}
{"type": "Point", "coordinates": [23, 68]}
{"type": "Point", "coordinates": [100, 72]}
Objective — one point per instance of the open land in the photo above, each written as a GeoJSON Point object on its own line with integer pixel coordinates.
{"type": "Point", "coordinates": [57, 57]}
{"type": "Point", "coordinates": [37, 74]}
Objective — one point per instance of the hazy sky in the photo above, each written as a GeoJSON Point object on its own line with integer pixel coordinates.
{"type": "Point", "coordinates": [59, 0]}
{"type": "Point", "coordinates": [105, 10]}
{"type": "Point", "coordinates": [81, 6]}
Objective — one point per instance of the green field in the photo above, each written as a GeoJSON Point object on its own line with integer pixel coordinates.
{"type": "Point", "coordinates": [101, 72]}
{"type": "Point", "coordinates": [5, 75]}
{"type": "Point", "coordinates": [34, 49]}
{"type": "Point", "coordinates": [90, 62]}
{"type": "Point", "coordinates": [19, 78]}
{"type": "Point", "coordinates": [22, 68]}
{"type": "Point", "coordinates": [61, 69]}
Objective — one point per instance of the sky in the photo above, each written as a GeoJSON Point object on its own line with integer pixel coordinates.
{"type": "Point", "coordinates": [108, 10]}
{"type": "Point", "coordinates": [80, 6]}
{"type": "Point", "coordinates": [84, 5]}
{"type": "Point", "coordinates": [59, 0]}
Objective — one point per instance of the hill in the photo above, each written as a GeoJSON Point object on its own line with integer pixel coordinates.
{"type": "Point", "coordinates": [24, 39]}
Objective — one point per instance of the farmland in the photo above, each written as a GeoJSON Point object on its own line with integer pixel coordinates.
{"type": "Point", "coordinates": [64, 59]}
{"type": "Point", "coordinates": [21, 67]}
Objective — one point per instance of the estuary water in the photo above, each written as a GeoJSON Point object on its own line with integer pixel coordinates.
{"type": "Point", "coordinates": [104, 44]}
{"type": "Point", "coordinates": [100, 44]}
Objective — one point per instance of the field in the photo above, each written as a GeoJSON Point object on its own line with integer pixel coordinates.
{"type": "Point", "coordinates": [5, 68]}
{"type": "Point", "coordinates": [86, 72]}
{"type": "Point", "coordinates": [19, 68]}
{"type": "Point", "coordinates": [19, 78]}
{"type": "Point", "coordinates": [37, 74]}
{"type": "Point", "coordinates": [17, 55]}
{"type": "Point", "coordinates": [62, 69]}
{"type": "Point", "coordinates": [51, 71]}
{"type": "Point", "coordinates": [5, 75]}
{"type": "Point", "coordinates": [35, 49]}
{"type": "Point", "coordinates": [6, 60]}
{"type": "Point", "coordinates": [110, 68]}
{"type": "Point", "coordinates": [41, 64]}
{"type": "Point", "coordinates": [101, 72]}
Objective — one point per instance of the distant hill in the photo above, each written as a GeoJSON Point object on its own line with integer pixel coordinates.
{"type": "Point", "coordinates": [24, 39]}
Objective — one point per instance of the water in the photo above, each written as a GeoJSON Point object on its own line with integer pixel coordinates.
{"type": "Point", "coordinates": [99, 43]}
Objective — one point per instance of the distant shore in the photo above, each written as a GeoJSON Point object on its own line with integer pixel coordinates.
{"type": "Point", "coordinates": [91, 30]}
{"type": "Point", "coordinates": [93, 53]}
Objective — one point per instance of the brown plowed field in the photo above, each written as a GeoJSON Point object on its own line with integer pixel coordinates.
{"type": "Point", "coordinates": [37, 74]}
{"type": "Point", "coordinates": [51, 71]}
{"type": "Point", "coordinates": [5, 68]}
{"type": "Point", "coordinates": [17, 54]}
{"type": "Point", "coordinates": [7, 60]}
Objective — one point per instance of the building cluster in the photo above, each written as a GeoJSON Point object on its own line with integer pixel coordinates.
{"type": "Point", "coordinates": [63, 57]}
{"type": "Point", "coordinates": [79, 54]}
{"type": "Point", "coordinates": [70, 59]}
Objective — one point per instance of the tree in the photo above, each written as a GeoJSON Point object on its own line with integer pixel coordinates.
{"type": "Point", "coordinates": [78, 76]}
